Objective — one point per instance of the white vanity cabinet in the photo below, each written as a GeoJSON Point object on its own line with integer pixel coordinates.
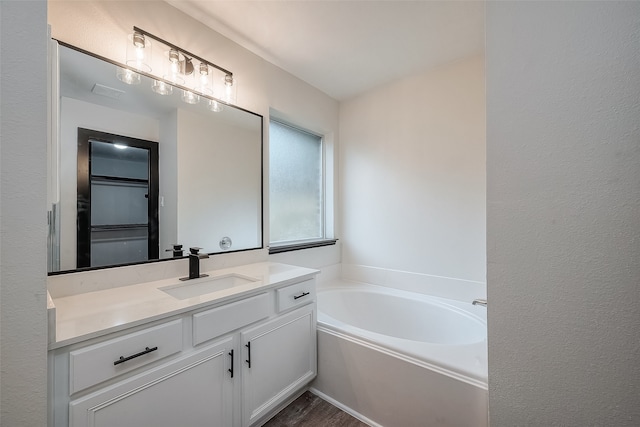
{"type": "Point", "coordinates": [195, 390]}
{"type": "Point", "coordinates": [280, 359]}
{"type": "Point", "coordinates": [229, 364]}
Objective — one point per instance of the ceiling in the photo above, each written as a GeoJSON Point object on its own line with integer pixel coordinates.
{"type": "Point", "coordinates": [343, 47]}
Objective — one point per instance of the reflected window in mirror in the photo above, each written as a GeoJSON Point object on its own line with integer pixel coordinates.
{"type": "Point", "coordinates": [296, 187]}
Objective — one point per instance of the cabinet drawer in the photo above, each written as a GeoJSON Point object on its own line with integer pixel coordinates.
{"type": "Point", "coordinates": [94, 364]}
{"type": "Point", "coordinates": [192, 391]}
{"type": "Point", "coordinates": [295, 295]}
{"type": "Point", "coordinates": [218, 321]}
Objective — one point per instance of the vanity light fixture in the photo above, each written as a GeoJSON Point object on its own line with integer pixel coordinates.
{"type": "Point", "coordinates": [177, 67]}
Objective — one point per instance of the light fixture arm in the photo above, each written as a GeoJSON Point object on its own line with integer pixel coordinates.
{"type": "Point", "coordinates": [179, 49]}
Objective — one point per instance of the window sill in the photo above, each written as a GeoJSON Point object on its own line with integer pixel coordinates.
{"type": "Point", "coordinates": [301, 245]}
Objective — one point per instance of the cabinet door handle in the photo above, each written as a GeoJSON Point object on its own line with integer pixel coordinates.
{"type": "Point", "coordinates": [304, 294]}
{"type": "Point", "coordinates": [133, 356]}
{"type": "Point", "coordinates": [248, 345]}
{"type": "Point", "coordinates": [231, 369]}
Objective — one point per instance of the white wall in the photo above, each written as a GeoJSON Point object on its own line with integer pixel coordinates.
{"type": "Point", "coordinates": [219, 177]}
{"type": "Point", "coordinates": [563, 162]}
{"type": "Point", "coordinates": [23, 236]}
{"type": "Point", "coordinates": [412, 170]}
{"type": "Point", "coordinates": [168, 183]}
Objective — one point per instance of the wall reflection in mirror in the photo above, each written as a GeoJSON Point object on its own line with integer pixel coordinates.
{"type": "Point", "coordinates": [112, 201]}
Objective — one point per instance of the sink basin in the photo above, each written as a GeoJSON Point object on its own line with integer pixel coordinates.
{"type": "Point", "coordinates": [205, 285]}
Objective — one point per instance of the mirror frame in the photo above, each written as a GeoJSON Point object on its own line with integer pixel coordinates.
{"type": "Point", "coordinates": [227, 105]}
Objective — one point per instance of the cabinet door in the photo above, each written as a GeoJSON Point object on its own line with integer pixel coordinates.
{"type": "Point", "coordinates": [280, 358]}
{"type": "Point", "coordinates": [195, 390]}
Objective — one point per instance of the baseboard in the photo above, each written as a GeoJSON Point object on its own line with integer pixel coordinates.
{"type": "Point", "coordinates": [345, 408]}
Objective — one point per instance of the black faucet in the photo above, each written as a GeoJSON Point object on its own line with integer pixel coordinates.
{"type": "Point", "coordinates": [194, 264]}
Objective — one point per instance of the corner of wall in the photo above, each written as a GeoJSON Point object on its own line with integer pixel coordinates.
{"type": "Point", "coordinates": [23, 253]}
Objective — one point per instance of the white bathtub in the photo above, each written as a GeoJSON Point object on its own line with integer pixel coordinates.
{"type": "Point", "coordinates": [396, 358]}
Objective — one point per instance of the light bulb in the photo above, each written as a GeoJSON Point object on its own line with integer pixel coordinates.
{"type": "Point", "coordinates": [202, 83]}
{"type": "Point", "coordinates": [138, 52]}
{"type": "Point", "coordinates": [230, 89]}
{"type": "Point", "coordinates": [127, 76]}
{"type": "Point", "coordinates": [190, 97]}
{"type": "Point", "coordinates": [161, 87]}
{"type": "Point", "coordinates": [204, 73]}
{"type": "Point", "coordinates": [138, 40]}
{"type": "Point", "coordinates": [171, 67]}
{"type": "Point", "coordinates": [174, 55]}
{"type": "Point", "coordinates": [215, 106]}
{"type": "Point", "coordinates": [140, 43]}
{"type": "Point", "coordinates": [174, 60]}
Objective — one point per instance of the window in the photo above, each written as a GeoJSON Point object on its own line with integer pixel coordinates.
{"type": "Point", "coordinates": [296, 188]}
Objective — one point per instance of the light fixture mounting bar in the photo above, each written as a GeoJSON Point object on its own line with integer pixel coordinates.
{"type": "Point", "coordinates": [184, 52]}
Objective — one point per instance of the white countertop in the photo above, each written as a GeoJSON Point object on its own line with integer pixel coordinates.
{"type": "Point", "coordinates": [92, 314]}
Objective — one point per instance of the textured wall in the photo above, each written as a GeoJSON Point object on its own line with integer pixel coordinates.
{"type": "Point", "coordinates": [563, 184]}
{"type": "Point", "coordinates": [412, 159]}
{"type": "Point", "coordinates": [23, 236]}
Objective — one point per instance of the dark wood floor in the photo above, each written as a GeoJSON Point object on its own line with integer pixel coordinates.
{"type": "Point", "coordinates": [310, 411]}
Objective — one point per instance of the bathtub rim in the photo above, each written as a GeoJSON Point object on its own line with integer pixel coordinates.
{"type": "Point", "coordinates": [394, 346]}
{"type": "Point", "coordinates": [460, 308]}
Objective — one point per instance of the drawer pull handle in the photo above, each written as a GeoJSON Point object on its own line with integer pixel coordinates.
{"type": "Point", "coordinates": [231, 369]}
{"type": "Point", "coordinates": [133, 356]}
{"type": "Point", "coordinates": [248, 345]}
{"type": "Point", "coordinates": [304, 294]}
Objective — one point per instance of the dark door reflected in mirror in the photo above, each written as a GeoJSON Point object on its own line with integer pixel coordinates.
{"type": "Point", "coordinates": [208, 188]}
{"type": "Point", "coordinates": [117, 199]}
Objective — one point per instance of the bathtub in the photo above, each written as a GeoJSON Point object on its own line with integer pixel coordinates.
{"type": "Point", "coordinates": [397, 358]}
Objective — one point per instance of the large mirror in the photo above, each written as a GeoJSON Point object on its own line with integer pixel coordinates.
{"type": "Point", "coordinates": [134, 172]}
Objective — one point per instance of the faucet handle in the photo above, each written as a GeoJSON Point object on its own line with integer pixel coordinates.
{"type": "Point", "coordinates": [194, 252]}
{"type": "Point", "coordinates": [176, 249]}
